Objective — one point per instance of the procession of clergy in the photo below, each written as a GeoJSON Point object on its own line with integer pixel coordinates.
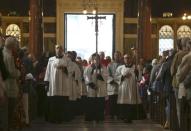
{"type": "Point", "coordinates": [71, 86]}
{"type": "Point", "coordinates": [74, 89]}
{"type": "Point", "coordinates": [101, 87]}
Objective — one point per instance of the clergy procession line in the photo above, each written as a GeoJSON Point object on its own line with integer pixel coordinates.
{"type": "Point", "coordinates": [63, 86]}
{"type": "Point", "coordinates": [84, 89]}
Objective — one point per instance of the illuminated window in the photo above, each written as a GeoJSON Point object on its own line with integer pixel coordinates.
{"type": "Point", "coordinates": [184, 31]}
{"type": "Point", "coordinates": [166, 38]}
{"type": "Point", "coordinates": [14, 30]}
{"type": "Point", "coordinates": [80, 34]}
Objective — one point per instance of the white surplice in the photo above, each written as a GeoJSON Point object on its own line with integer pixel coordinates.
{"type": "Point", "coordinates": [112, 89]}
{"type": "Point", "coordinates": [74, 74]}
{"type": "Point", "coordinates": [101, 86]}
{"type": "Point", "coordinates": [58, 80]}
{"type": "Point", "coordinates": [128, 88]}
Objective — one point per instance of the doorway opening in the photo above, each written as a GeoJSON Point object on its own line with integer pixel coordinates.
{"type": "Point", "coordinates": [80, 34]}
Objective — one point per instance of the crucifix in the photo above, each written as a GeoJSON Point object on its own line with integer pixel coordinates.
{"type": "Point", "coordinates": [96, 18]}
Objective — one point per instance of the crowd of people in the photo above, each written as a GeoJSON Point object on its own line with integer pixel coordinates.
{"type": "Point", "coordinates": [170, 82]}
{"type": "Point", "coordinates": [63, 86]}
{"type": "Point", "coordinates": [19, 73]}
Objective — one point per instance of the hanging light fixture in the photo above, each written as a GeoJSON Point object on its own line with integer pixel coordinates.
{"type": "Point", "coordinates": [89, 5]}
{"type": "Point", "coordinates": [85, 11]}
{"type": "Point", "coordinates": [94, 11]}
{"type": "Point", "coordinates": [186, 17]}
{"type": "Point", "coordinates": [167, 14]}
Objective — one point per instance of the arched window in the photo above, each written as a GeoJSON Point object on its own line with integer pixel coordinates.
{"type": "Point", "coordinates": [14, 30]}
{"type": "Point", "coordinates": [184, 31]}
{"type": "Point", "coordinates": [166, 38]}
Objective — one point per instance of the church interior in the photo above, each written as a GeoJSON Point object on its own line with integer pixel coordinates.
{"type": "Point", "coordinates": [169, 13]}
{"type": "Point", "coordinates": [147, 27]}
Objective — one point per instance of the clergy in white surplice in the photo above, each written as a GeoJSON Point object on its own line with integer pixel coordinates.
{"type": "Point", "coordinates": [83, 92]}
{"type": "Point", "coordinates": [95, 76]}
{"type": "Point", "coordinates": [112, 85]}
{"type": "Point", "coordinates": [74, 75]}
{"type": "Point", "coordinates": [128, 95]}
{"type": "Point", "coordinates": [58, 91]}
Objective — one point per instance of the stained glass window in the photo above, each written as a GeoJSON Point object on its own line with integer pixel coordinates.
{"type": "Point", "coordinates": [166, 38]}
{"type": "Point", "coordinates": [184, 31]}
{"type": "Point", "coordinates": [14, 30]}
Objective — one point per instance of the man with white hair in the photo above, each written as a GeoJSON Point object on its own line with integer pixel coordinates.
{"type": "Point", "coordinates": [11, 86]}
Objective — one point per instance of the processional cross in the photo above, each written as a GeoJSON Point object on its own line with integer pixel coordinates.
{"type": "Point", "coordinates": [96, 18]}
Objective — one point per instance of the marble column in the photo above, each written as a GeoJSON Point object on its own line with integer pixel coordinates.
{"type": "Point", "coordinates": [35, 28]}
{"type": "Point", "coordinates": [144, 46]}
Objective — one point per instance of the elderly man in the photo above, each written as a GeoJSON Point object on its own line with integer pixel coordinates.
{"type": "Point", "coordinates": [58, 93]}
{"type": "Point", "coordinates": [11, 85]}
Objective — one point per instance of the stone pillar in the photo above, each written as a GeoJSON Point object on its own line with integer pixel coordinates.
{"type": "Point", "coordinates": [144, 46]}
{"type": "Point", "coordinates": [35, 29]}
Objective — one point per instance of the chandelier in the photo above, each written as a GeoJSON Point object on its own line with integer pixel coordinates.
{"type": "Point", "coordinates": [186, 17]}
{"type": "Point", "coordinates": [89, 5]}
{"type": "Point", "coordinates": [167, 14]}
